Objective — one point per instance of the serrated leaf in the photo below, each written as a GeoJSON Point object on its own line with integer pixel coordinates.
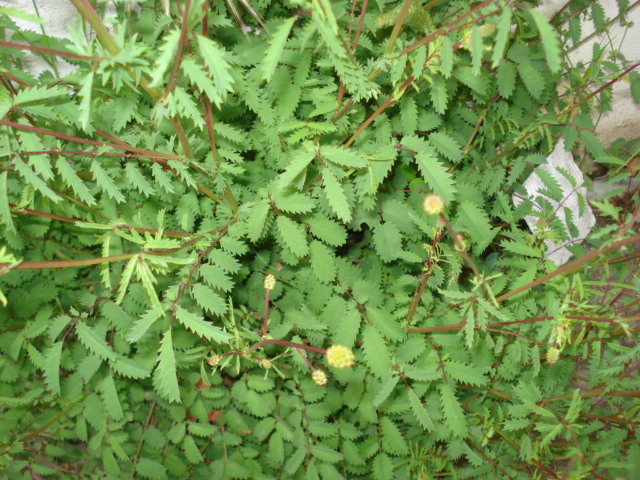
{"type": "Point", "coordinates": [94, 342]}
{"type": "Point", "coordinates": [387, 241]}
{"type": "Point", "coordinates": [5, 210]}
{"type": "Point", "coordinates": [298, 165]}
{"type": "Point", "coordinates": [293, 236]}
{"type": "Point", "coordinates": [52, 367]}
{"type": "Point", "coordinates": [68, 174]}
{"type": "Point", "coordinates": [385, 390]}
{"type": "Point", "coordinates": [130, 369]}
{"type": "Point", "coordinates": [464, 373]}
{"type": "Point", "coordinates": [275, 48]}
{"type": "Point", "coordinates": [446, 146]}
{"type": "Point", "coordinates": [532, 79]}
{"type": "Point", "coordinates": [453, 413]}
{"type": "Point", "coordinates": [106, 183]}
{"type": "Point", "coordinates": [219, 69]}
{"type": "Point", "coordinates": [420, 411]}
{"type": "Point", "coordinates": [336, 196]}
{"type": "Point", "coordinates": [140, 327]}
{"type": "Point", "coordinates": [110, 397]}
{"type": "Point", "coordinates": [325, 453]}
{"type": "Point", "coordinates": [550, 42]}
{"type": "Point", "coordinates": [376, 353]}
{"type": "Point", "coordinates": [342, 157]}
{"type": "Point", "coordinates": [148, 468]}
{"type": "Point", "coordinates": [208, 299]}
{"type": "Point", "coordinates": [438, 93]}
{"type": "Point", "coordinates": [168, 51]}
{"type": "Point", "coordinates": [257, 218]}
{"type": "Point", "coordinates": [392, 440]}
{"type": "Point", "coordinates": [476, 222]}
{"type": "Point", "coordinates": [506, 78]}
{"type": "Point", "coordinates": [137, 180]}
{"type": "Point", "coordinates": [165, 376]}
{"type": "Point", "coordinates": [386, 324]}
{"type": "Point", "coordinates": [382, 467]}
{"type": "Point", "coordinates": [322, 262]}
{"type": "Point", "coordinates": [502, 35]}
{"type": "Point", "coordinates": [329, 231]}
{"type": "Point", "coordinates": [200, 327]}
{"type": "Point", "coordinates": [191, 450]}
{"type": "Point", "coordinates": [294, 203]}
{"type": "Point", "coordinates": [436, 176]}
{"type": "Point", "coordinates": [32, 179]}
{"type": "Point", "coordinates": [216, 278]}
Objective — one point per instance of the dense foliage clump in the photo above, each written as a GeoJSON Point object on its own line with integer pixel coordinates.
{"type": "Point", "coordinates": [279, 240]}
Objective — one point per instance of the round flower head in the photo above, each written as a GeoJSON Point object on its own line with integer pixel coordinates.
{"type": "Point", "coordinates": [319, 377]}
{"type": "Point", "coordinates": [266, 364]}
{"type": "Point", "coordinates": [339, 356]}
{"type": "Point", "coordinates": [433, 204]}
{"type": "Point", "coordinates": [214, 360]}
{"type": "Point", "coordinates": [553, 354]}
{"type": "Point", "coordinates": [269, 282]}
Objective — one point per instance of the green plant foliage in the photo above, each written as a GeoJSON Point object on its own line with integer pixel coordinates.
{"type": "Point", "coordinates": [198, 211]}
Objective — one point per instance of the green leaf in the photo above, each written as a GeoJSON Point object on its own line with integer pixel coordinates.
{"type": "Point", "coordinates": [329, 231]}
{"type": "Point", "coordinates": [167, 56]}
{"type": "Point", "coordinates": [94, 342]}
{"type": "Point", "coordinates": [376, 352]}
{"type": "Point", "coordinates": [69, 175]}
{"type": "Point", "coordinates": [634, 80]}
{"type": "Point", "coordinates": [106, 183]}
{"type": "Point", "coordinates": [476, 222]}
{"type": "Point", "coordinates": [438, 93]}
{"type": "Point", "coordinates": [325, 453]}
{"type": "Point", "coordinates": [140, 327]}
{"type": "Point", "coordinates": [137, 180]}
{"type": "Point", "coordinates": [436, 176]}
{"type": "Point", "coordinates": [208, 299]}
{"type": "Point", "coordinates": [219, 68]}
{"type": "Point", "coordinates": [275, 48]}
{"type": "Point", "coordinates": [336, 196]}
{"type": "Point", "coordinates": [110, 397]}
{"type": "Point", "coordinates": [532, 79]}
{"type": "Point", "coordinates": [191, 450]}
{"type": "Point", "coordinates": [420, 411]}
{"type": "Point", "coordinates": [506, 78]}
{"type": "Point", "coordinates": [387, 241]}
{"type": "Point", "coordinates": [33, 180]}
{"type": "Point", "coordinates": [165, 379]}
{"type": "Point", "coordinates": [382, 467]}
{"type": "Point", "coordinates": [550, 42]}
{"type": "Point", "coordinates": [297, 166]}
{"type": "Point", "coordinates": [200, 327]}
{"type": "Point", "coordinates": [453, 414]}
{"type": "Point", "coordinates": [294, 203]}
{"type": "Point", "coordinates": [446, 146]}
{"type": "Point", "coordinates": [385, 390]}
{"type": "Point", "coordinates": [392, 440]}
{"type": "Point", "coordinates": [5, 210]}
{"type": "Point", "coordinates": [322, 262]}
{"type": "Point", "coordinates": [148, 468]}
{"type": "Point", "coordinates": [85, 103]}
{"type": "Point", "coordinates": [342, 157]}
{"type": "Point", "coordinates": [464, 373]}
{"type": "Point", "coordinates": [293, 236]}
{"type": "Point", "coordinates": [52, 367]}
{"type": "Point", "coordinates": [502, 35]}
{"type": "Point", "coordinates": [257, 218]}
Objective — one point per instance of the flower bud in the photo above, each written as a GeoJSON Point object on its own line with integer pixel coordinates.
{"type": "Point", "coordinates": [266, 364]}
{"type": "Point", "coordinates": [339, 356]}
{"type": "Point", "coordinates": [319, 377]}
{"type": "Point", "coordinates": [553, 354]}
{"type": "Point", "coordinates": [214, 360]}
{"type": "Point", "coordinates": [462, 242]}
{"type": "Point", "coordinates": [433, 204]}
{"type": "Point", "coordinates": [269, 282]}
